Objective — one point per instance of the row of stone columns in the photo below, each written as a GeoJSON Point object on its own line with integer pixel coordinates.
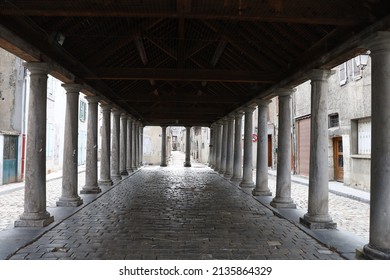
{"type": "Point", "coordinates": [317, 215]}
{"type": "Point", "coordinates": [120, 159]}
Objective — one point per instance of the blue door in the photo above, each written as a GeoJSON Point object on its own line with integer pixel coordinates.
{"type": "Point", "coordinates": [10, 163]}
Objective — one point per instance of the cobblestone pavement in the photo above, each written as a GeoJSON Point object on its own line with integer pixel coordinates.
{"type": "Point", "coordinates": [350, 215]}
{"type": "Point", "coordinates": [175, 213]}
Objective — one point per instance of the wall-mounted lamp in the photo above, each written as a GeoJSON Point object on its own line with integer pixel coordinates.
{"type": "Point", "coordinates": [362, 60]}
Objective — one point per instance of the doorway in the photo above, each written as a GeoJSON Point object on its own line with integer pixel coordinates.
{"type": "Point", "coordinates": [10, 162]}
{"type": "Point", "coordinates": [338, 159]}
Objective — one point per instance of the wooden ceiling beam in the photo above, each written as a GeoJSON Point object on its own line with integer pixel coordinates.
{"type": "Point", "coordinates": [182, 75]}
{"type": "Point", "coordinates": [256, 15]}
{"type": "Point", "coordinates": [162, 46]}
{"type": "Point", "coordinates": [190, 99]}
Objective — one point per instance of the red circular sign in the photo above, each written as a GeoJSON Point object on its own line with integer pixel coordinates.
{"type": "Point", "coordinates": [254, 137]}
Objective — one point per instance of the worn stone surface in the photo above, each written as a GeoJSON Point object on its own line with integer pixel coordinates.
{"type": "Point", "coordinates": [175, 213]}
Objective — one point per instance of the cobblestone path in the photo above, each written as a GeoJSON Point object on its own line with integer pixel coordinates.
{"type": "Point", "coordinates": [175, 213]}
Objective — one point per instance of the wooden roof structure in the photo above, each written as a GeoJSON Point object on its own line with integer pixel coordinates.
{"type": "Point", "coordinates": [183, 62]}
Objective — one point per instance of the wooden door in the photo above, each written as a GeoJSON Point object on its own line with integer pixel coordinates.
{"type": "Point", "coordinates": [338, 159]}
{"type": "Point", "coordinates": [10, 162]}
{"type": "Point", "coordinates": [303, 147]}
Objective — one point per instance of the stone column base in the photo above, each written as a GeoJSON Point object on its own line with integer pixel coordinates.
{"type": "Point", "coordinates": [317, 225]}
{"type": "Point", "coordinates": [116, 178]}
{"type": "Point", "coordinates": [163, 165]}
{"type": "Point", "coordinates": [105, 183]}
{"type": "Point", "coordinates": [247, 184]}
{"type": "Point", "coordinates": [69, 202]}
{"type": "Point", "coordinates": [261, 193]}
{"type": "Point", "coordinates": [124, 173]}
{"type": "Point", "coordinates": [221, 171]}
{"type": "Point", "coordinates": [34, 220]}
{"type": "Point", "coordinates": [375, 254]}
{"type": "Point", "coordinates": [90, 190]}
{"type": "Point", "coordinates": [283, 204]}
{"type": "Point", "coordinates": [236, 179]}
{"type": "Point", "coordinates": [227, 175]}
{"type": "Point", "coordinates": [187, 164]}
{"type": "Point", "coordinates": [135, 168]}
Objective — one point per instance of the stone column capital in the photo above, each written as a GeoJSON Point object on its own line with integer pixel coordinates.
{"type": "Point", "coordinates": [188, 127]}
{"type": "Point", "coordinates": [92, 99]}
{"type": "Point", "coordinates": [37, 67]}
{"type": "Point", "coordinates": [164, 126]}
{"type": "Point", "coordinates": [284, 91]}
{"type": "Point", "coordinates": [106, 107]}
{"type": "Point", "coordinates": [262, 102]}
{"type": "Point", "coordinates": [320, 74]}
{"type": "Point", "coordinates": [249, 109]}
{"type": "Point", "coordinates": [115, 111]}
{"type": "Point", "coordinates": [76, 88]}
{"type": "Point", "coordinates": [238, 113]}
{"type": "Point", "coordinates": [379, 41]}
{"type": "Point", "coordinates": [224, 120]}
{"type": "Point", "coordinates": [124, 115]}
{"type": "Point", "coordinates": [231, 117]}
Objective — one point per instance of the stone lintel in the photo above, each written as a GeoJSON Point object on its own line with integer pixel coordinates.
{"type": "Point", "coordinates": [317, 225]}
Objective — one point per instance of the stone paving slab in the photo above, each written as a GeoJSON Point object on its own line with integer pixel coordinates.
{"type": "Point", "coordinates": [175, 213]}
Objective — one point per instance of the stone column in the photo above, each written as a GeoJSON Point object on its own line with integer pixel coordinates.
{"type": "Point", "coordinates": [218, 146]}
{"type": "Point", "coordinates": [140, 148]}
{"type": "Point", "coordinates": [211, 147]}
{"type": "Point", "coordinates": [164, 146]}
{"type": "Point", "coordinates": [317, 216]}
{"type": "Point", "coordinates": [247, 178]}
{"type": "Point", "coordinates": [105, 176]}
{"type": "Point", "coordinates": [35, 213]}
{"type": "Point", "coordinates": [123, 146]}
{"type": "Point", "coordinates": [128, 145]}
{"type": "Point", "coordinates": [224, 145]}
{"type": "Point", "coordinates": [187, 162]}
{"type": "Point", "coordinates": [134, 145]}
{"type": "Point", "coordinates": [237, 160]}
{"type": "Point", "coordinates": [69, 196]}
{"type": "Point", "coordinates": [283, 180]}
{"type": "Point", "coordinates": [91, 167]}
{"type": "Point", "coordinates": [379, 240]}
{"type": "Point", "coordinates": [115, 174]}
{"type": "Point", "coordinates": [262, 188]}
{"type": "Point", "coordinates": [229, 147]}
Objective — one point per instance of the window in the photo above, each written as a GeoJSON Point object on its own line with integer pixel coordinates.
{"type": "Point", "coordinates": [333, 120]}
{"type": "Point", "coordinates": [50, 140]}
{"type": "Point", "coordinates": [83, 111]}
{"type": "Point", "coordinates": [343, 74]}
{"type": "Point", "coordinates": [356, 71]}
{"type": "Point", "coordinates": [364, 136]}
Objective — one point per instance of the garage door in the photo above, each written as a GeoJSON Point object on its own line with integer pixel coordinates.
{"type": "Point", "coordinates": [303, 147]}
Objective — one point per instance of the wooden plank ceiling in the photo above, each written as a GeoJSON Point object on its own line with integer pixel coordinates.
{"type": "Point", "coordinates": [186, 62]}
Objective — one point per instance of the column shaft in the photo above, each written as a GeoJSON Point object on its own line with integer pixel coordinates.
{"type": "Point", "coordinates": [187, 162]}
{"type": "Point", "coordinates": [317, 216]}
{"type": "Point", "coordinates": [211, 147]}
{"type": "Point", "coordinates": [35, 213]}
{"type": "Point", "coordinates": [128, 145]}
{"type": "Point", "coordinates": [105, 176]}
{"type": "Point", "coordinates": [218, 147]}
{"type": "Point", "coordinates": [229, 147]}
{"type": "Point", "coordinates": [283, 180]}
{"type": "Point", "coordinates": [164, 146]}
{"type": "Point", "coordinates": [224, 145]}
{"type": "Point", "coordinates": [69, 195]}
{"type": "Point", "coordinates": [379, 240]}
{"type": "Point", "coordinates": [115, 174]}
{"type": "Point", "coordinates": [91, 169]}
{"type": "Point", "coordinates": [237, 161]}
{"type": "Point", "coordinates": [247, 178]}
{"type": "Point", "coordinates": [134, 145]}
{"type": "Point", "coordinates": [140, 151]}
{"type": "Point", "coordinates": [262, 188]}
{"type": "Point", "coordinates": [123, 146]}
